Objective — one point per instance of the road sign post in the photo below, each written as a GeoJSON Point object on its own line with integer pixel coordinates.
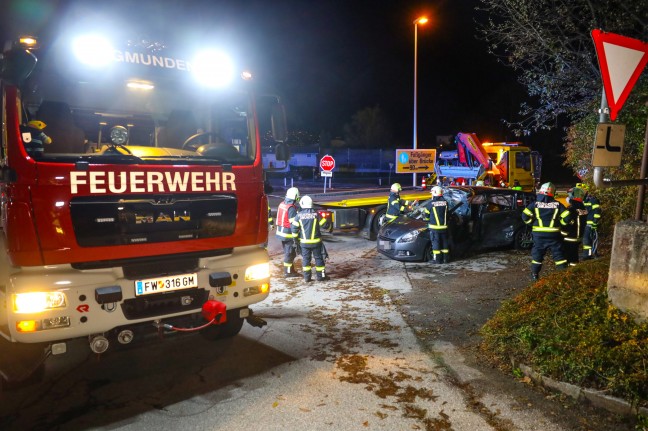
{"type": "Point", "coordinates": [327, 164]}
{"type": "Point", "coordinates": [621, 61]}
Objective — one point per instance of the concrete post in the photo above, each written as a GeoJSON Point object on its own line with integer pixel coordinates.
{"type": "Point", "coordinates": [628, 277]}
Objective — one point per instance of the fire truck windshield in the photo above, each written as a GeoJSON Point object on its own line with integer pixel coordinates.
{"type": "Point", "coordinates": [147, 105]}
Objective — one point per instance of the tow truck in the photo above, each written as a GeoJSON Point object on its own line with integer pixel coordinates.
{"type": "Point", "coordinates": [499, 162]}
{"type": "Point", "coordinates": [143, 211]}
{"type": "Point", "coordinates": [471, 161]}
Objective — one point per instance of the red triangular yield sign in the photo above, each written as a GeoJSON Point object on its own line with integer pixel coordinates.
{"type": "Point", "coordinates": [621, 59]}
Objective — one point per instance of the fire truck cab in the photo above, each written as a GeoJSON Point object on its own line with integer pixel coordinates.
{"type": "Point", "coordinates": [132, 197]}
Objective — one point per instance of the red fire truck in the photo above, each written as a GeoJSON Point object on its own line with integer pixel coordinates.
{"type": "Point", "coordinates": [132, 196]}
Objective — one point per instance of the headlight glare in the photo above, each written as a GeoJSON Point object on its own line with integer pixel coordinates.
{"type": "Point", "coordinates": [35, 302]}
{"type": "Point", "coordinates": [258, 272]}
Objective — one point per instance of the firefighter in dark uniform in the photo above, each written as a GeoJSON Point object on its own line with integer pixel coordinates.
{"type": "Point", "coordinates": [34, 138]}
{"type": "Point", "coordinates": [575, 229]}
{"type": "Point", "coordinates": [436, 214]}
{"type": "Point", "coordinates": [286, 213]}
{"type": "Point", "coordinates": [546, 216]}
{"type": "Point", "coordinates": [590, 237]}
{"type": "Point", "coordinates": [306, 229]}
{"type": "Point", "coordinates": [395, 205]}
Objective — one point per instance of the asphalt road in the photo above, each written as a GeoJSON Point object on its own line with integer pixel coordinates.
{"type": "Point", "coordinates": [382, 345]}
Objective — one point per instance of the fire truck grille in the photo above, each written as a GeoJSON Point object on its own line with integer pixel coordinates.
{"type": "Point", "coordinates": [164, 303]}
{"type": "Point", "coordinates": [113, 220]}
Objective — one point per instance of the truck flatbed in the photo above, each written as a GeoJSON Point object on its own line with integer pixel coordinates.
{"type": "Point", "coordinates": [364, 197]}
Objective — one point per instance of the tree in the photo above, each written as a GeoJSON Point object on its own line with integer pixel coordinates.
{"type": "Point", "coordinates": [618, 203]}
{"type": "Point", "coordinates": [369, 128]}
{"type": "Point", "coordinates": [549, 43]}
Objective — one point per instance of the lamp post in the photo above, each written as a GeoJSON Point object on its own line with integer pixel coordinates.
{"type": "Point", "coordinates": [421, 20]}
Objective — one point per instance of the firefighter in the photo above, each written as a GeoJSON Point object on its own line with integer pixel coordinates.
{"type": "Point", "coordinates": [395, 205]}
{"type": "Point", "coordinates": [306, 229]}
{"type": "Point", "coordinates": [286, 213]}
{"type": "Point", "coordinates": [574, 231]}
{"type": "Point", "coordinates": [436, 214]}
{"type": "Point", "coordinates": [34, 138]}
{"type": "Point", "coordinates": [590, 237]}
{"type": "Point", "coordinates": [546, 216]}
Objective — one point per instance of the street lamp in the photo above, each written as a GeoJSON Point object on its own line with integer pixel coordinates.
{"type": "Point", "coordinates": [421, 20]}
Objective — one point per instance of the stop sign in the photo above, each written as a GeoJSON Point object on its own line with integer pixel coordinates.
{"type": "Point", "coordinates": [327, 163]}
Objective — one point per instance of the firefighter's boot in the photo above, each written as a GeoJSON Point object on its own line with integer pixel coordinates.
{"type": "Point", "coordinates": [321, 276]}
{"type": "Point", "coordinates": [289, 271]}
{"type": "Point", "coordinates": [446, 257]}
{"type": "Point", "coordinates": [535, 276]}
{"type": "Point", "coordinates": [307, 276]}
{"type": "Point", "coordinates": [436, 258]}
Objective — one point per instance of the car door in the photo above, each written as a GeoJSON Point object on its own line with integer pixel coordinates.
{"type": "Point", "coordinates": [497, 220]}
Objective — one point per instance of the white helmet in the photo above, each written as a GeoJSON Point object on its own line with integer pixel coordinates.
{"type": "Point", "coordinates": [292, 193]}
{"type": "Point", "coordinates": [306, 202]}
{"type": "Point", "coordinates": [547, 189]}
{"type": "Point", "coordinates": [437, 191]}
{"type": "Point", "coordinates": [396, 187]}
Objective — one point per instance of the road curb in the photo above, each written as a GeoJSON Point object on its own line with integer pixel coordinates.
{"type": "Point", "coordinates": [596, 398]}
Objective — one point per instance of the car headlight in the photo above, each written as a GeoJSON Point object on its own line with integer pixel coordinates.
{"type": "Point", "coordinates": [35, 302]}
{"type": "Point", "coordinates": [257, 272]}
{"type": "Point", "coordinates": [411, 236]}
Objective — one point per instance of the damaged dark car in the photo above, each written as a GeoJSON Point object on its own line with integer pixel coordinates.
{"type": "Point", "coordinates": [480, 218]}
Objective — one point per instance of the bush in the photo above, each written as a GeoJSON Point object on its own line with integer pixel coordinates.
{"type": "Point", "coordinates": [565, 327]}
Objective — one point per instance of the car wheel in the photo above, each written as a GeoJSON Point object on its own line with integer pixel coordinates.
{"type": "Point", "coordinates": [523, 239]}
{"type": "Point", "coordinates": [228, 329]}
{"type": "Point", "coordinates": [427, 253]}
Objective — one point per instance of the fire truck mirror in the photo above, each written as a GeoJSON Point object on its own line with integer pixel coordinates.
{"type": "Point", "coordinates": [282, 152]}
{"type": "Point", "coordinates": [279, 124]}
{"type": "Point", "coordinates": [17, 65]}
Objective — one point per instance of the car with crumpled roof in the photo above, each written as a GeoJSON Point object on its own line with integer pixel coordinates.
{"type": "Point", "coordinates": [479, 218]}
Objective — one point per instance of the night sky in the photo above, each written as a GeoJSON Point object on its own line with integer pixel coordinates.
{"type": "Point", "coordinates": [331, 58]}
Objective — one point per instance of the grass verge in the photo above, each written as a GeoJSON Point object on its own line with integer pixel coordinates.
{"type": "Point", "coordinates": [565, 327]}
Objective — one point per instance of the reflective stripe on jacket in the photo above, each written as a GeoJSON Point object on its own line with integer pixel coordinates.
{"type": "Point", "coordinates": [575, 229]}
{"type": "Point", "coordinates": [306, 226]}
{"type": "Point", "coordinates": [436, 213]}
{"type": "Point", "coordinates": [395, 206]}
{"type": "Point", "coordinates": [593, 211]}
{"type": "Point", "coordinates": [546, 215]}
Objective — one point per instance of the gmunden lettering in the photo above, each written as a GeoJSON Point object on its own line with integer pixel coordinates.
{"type": "Point", "coordinates": [100, 182]}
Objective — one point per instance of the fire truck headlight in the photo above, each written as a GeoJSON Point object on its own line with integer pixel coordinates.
{"type": "Point", "coordinates": [213, 69]}
{"type": "Point", "coordinates": [35, 302]}
{"type": "Point", "coordinates": [93, 50]}
{"type": "Point", "coordinates": [257, 272]}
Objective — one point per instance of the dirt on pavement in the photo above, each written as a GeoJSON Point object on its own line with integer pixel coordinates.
{"type": "Point", "coordinates": [447, 306]}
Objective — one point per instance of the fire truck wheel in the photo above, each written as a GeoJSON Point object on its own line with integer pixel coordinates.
{"type": "Point", "coordinates": [229, 329]}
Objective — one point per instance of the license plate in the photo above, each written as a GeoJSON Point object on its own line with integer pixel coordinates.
{"type": "Point", "coordinates": [165, 284]}
{"type": "Point", "coordinates": [384, 245]}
